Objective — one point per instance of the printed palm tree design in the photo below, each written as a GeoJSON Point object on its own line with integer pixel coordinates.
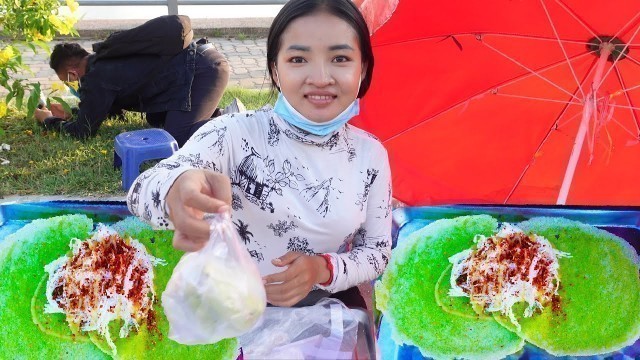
{"type": "Point", "coordinates": [324, 190]}
{"type": "Point", "coordinates": [243, 231]}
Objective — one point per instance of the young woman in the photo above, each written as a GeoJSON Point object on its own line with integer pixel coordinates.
{"type": "Point", "coordinates": [310, 194]}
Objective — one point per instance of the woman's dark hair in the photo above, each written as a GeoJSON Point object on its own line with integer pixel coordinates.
{"type": "Point", "coordinates": [65, 53]}
{"type": "Point", "coordinates": [343, 9]}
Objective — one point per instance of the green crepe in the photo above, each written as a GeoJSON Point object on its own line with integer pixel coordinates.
{"type": "Point", "coordinates": [28, 333]}
{"type": "Point", "coordinates": [410, 299]}
{"type": "Point", "coordinates": [600, 292]}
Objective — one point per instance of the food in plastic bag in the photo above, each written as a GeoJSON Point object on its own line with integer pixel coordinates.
{"type": "Point", "coordinates": [326, 330]}
{"type": "Point", "coordinates": [216, 292]}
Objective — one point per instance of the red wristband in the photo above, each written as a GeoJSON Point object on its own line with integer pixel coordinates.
{"type": "Point", "coordinates": [327, 258]}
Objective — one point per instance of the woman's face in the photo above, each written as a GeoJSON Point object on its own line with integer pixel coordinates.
{"type": "Point", "coordinates": [319, 66]}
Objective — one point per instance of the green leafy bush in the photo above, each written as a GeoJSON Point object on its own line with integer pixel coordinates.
{"type": "Point", "coordinates": [28, 25]}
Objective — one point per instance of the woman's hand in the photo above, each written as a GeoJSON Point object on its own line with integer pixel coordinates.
{"type": "Point", "coordinates": [288, 287]}
{"type": "Point", "coordinates": [193, 194]}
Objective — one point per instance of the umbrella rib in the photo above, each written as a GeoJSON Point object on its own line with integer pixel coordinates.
{"type": "Point", "coordinates": [530, 37]}
{"type": "Point", "coordinates": [626, 107]}
{"type": "Point", "coordinates": [533, 158]}
{"type": "Point", "coordinates": [507, 82]}
{"type": "Point", "coordinates": [476, 34]}
{"type": "Point", "coordinates": [554, 126]}
{"type": "Point", "coordinates": [627, 25]}
{"type": "Point", "coordinates": [632, 59]}
{"type": "Point", "coordinates": [534, 72]}
{"type": "Point", "coordinates": [537, 98]}
{"type": "Point", "coordinates": [625, 90]}
{"type": "Point", "coordinates": [620, 53]}
{"type": "Point", "coordinates": [626, 95]}
{"type": "Point", "coordinates": [545, 68]}
{"type": "Point", "coordinates": [577, 18]}
{"type": "Point", "coordinates": [634, 136]}
{"type": "Point", "coordinates": [564, 52]}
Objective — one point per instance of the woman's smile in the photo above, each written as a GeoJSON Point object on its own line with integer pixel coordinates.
{"type": "Point", "coordinates": [319, 66]}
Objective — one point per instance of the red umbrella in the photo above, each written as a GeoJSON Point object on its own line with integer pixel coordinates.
{"type": "Point", "coordinates": [376, 12]}
{"type": "Point", "coordinates": [509, 101]}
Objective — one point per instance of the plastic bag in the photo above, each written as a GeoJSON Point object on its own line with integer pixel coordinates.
{"type": "Point", "coordinates": [216, 292]}
{"type": "Point", "coordinates": [327, 330]}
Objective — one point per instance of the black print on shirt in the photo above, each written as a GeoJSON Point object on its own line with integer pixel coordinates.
{"type": "Point", "coordinates": [329, 144]}
{"type": "Point", "coordinates": [387, 210]}
{"type": "Point", "coordinates": [162, 222]}
{"type": "Point", "coordinates": [351, 151]}
{"type": "Point", "coordinates": [169, 165]}
{"type": "Point", "coordinates": [147, 213]}
{"type": "Point", "coordinates": [298, 244]}
{"type": "Point", "coordinates": [274, 133]}
{"type": "Point", "coordinates": [195, 161]}
{"type": "Point", "coordinates": [381, 244]}
{"type": "Point", "coordinates": [385, 259]}
{"type": "Point", "coordinates": [243, 231]}
{"type": "Point", "coordinates": [236, 202]}
{"type": "Point", "coordinates": [320, 195]}
{"type": "Point", "coordinates": [374, 263]}
{"type": "Point", "coordinates": [362, 197]}
{"type": "Point", "coordinates": [258, 177]}
{"type": "Point", "coordinates": [256, 255]}
{"type": "Point", "coordinates": [217, 144]}
{"type": "Point", "coordinates": [134, 198]}
{"type": "Point", "coordinates": [155, 197]}
{"type": "Point", "coordinates": [359, 236]}
{"type": "Point", "coordinates": [282, 227]}
{"type": "Point", "coordinates": [353, 255]}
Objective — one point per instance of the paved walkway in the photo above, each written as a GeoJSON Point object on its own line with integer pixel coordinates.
{"type": "Point", "coordinates": [247, 59]}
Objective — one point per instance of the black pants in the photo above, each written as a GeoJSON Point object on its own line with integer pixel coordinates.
{"type": "Point", "coordinates": [209, 82]}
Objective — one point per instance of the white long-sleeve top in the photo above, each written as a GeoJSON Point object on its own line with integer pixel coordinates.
{"type": "Point", "coordinates": [292, 191]}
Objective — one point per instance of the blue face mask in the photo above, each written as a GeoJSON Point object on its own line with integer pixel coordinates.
{"type": "Point", "coordinates": [293, 117]}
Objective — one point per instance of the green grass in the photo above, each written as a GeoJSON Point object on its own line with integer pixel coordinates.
{"type": "Point", "coordinates": [48, 163]}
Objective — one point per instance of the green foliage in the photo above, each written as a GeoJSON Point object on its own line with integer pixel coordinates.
{"type": "Point", "coordinates": [27, 25]}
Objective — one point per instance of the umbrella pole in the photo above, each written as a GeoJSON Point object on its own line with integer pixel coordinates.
{"type": "Point", "coordinates": [587, 112]}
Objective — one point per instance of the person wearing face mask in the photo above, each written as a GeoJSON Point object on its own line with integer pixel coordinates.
{"type": "Point", "coordinates": [179, 95]}
{"type": "Point", "coordinates": [309, 193]}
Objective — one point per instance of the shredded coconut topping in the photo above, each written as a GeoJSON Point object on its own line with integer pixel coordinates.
{"type": "Point", "coordinates": [505, 269]}
{"type": "Point", "coordinates": [105, 278]}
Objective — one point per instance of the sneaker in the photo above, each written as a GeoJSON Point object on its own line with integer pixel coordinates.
{"type": "Point", "coordinates": [235, 107]}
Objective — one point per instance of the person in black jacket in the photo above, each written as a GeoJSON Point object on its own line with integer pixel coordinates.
{"type": "Point", "coordinates": [179, 95]}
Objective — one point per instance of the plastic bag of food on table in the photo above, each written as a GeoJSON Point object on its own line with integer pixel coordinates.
{"type": "Point", "coordinates": [216, 292]}
{"type": "Point", "coordinates": [327, 330]}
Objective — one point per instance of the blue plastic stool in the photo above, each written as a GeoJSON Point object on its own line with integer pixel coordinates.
{"type": "Point", "coordinates": [133, 148]}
